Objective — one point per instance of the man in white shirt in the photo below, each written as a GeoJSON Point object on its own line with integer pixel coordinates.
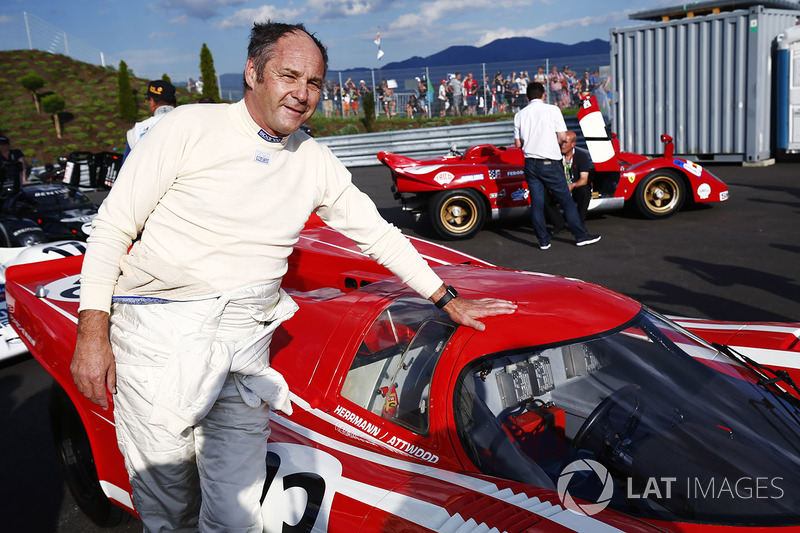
{"type": "Point", "coordinates": [178, 328]}
{"type": "Point", "coordinates": [539, 128]}
{"type": "Point", "coordinates": [442, 99]}
{"type": "Point", "coordinates": [160, 100]}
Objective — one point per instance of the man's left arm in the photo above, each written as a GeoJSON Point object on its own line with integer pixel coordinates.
{"type": "Point", "coordinates": [582, 166]}
{"type": "Point", "coordinates": [354, 214]}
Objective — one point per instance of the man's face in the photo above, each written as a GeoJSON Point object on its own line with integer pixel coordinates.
{"type": "Point", "coordinates": [567, 145]}
{"type": "Point", "coordinates": [290, 89]}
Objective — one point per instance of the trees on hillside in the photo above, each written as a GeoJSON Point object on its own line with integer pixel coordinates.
{"type": "Point", "coordinates": [210, 87]}
{"type": "Point", "coordinates": [33, 82]}
{"type": "Point", "coordinates": [126, 102]}
{"type": "Point", "coordinates": [54, 104]}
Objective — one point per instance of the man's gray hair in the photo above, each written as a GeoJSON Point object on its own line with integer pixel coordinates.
{"type": "Point", "coordinates": [263, 37]}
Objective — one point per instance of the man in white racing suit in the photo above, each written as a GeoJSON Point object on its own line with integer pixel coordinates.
{"type": "Point", "coordinates": [160, 100]}
{"type": "Point", "coordinates": [225, 191]}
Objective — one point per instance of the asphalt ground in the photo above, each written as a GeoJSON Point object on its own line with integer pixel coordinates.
{"type": "Point", "coordinates": [734, 261]}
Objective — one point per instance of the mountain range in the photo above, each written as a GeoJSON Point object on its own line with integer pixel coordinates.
{"type": "Point", "coordinates": [501, 50]}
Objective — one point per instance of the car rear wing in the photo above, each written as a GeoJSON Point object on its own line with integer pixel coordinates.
{"type": "Point", "coordinates": [603, 147]}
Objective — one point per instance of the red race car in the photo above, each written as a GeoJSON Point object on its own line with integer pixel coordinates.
{"type": "Point", "coordinates": [460, 192]}
{"type": "Point", "coordinates": [583, 411]}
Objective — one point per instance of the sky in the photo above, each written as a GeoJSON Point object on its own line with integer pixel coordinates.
{"type": "Point", "coordinates": [165, 36]}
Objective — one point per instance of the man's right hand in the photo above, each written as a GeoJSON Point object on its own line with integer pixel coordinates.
{"type": "Point", "coordinates": [93, 368]}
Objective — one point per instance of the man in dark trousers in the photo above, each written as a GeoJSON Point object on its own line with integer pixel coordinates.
{"type": "Point", "coordinates": [577, 166]}
{"type": "Point", "coordinates": [539, 128]}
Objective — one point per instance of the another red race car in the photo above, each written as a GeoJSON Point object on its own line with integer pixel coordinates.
{"type": "Point", "coordinates": [460, 192]}
{"type": "Point", "coordinates": [583, 411]}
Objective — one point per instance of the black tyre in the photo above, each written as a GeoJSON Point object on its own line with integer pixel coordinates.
{"type": "Point", "coordinates": [659, 195]}
{"type": "Point", "coordinates": [77, 462]}
{"type": "Point", "coordinates": [457, 214]}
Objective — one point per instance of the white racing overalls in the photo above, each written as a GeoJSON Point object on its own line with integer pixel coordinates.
{"type": "Point", "coordinates": [191, 424]}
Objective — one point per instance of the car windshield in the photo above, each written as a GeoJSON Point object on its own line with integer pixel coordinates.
{"type": "Point", "coordinates": [57, 199]}
{"type": "Point", "coordinates": [685, 432]}
{"type": "Point", "coordinates": [391, 373]}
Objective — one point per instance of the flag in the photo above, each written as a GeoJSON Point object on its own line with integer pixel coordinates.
{"type": "Point", "coordinates": [378, 40]}
{"type": "Point", "coordinates": [429, 94]}
{"type": "Point", "coordinates": [380, 54]}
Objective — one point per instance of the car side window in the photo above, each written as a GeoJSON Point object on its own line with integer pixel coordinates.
{"type": "Point", "coordinates": [392, 370]}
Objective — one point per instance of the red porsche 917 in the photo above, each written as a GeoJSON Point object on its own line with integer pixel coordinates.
{"type": "Point", "coordinates": [583, 411]}
{"type": "Point", "coordinates": [460, 192]}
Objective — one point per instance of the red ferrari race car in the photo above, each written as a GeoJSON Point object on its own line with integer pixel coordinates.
{"type": "Point", "coordinates": [583, 411]}
{"type": "Point", "coordinates": [10, 343]}
{"type": "Point", "coordinates": [460, 192]}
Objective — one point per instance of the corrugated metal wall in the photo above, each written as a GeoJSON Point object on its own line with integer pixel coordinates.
{"type": "Point", "coordinates": [707, 81]}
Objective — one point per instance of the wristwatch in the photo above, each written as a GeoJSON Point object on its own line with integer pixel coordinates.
{"type": "Point", "coordinates": [448, 295]}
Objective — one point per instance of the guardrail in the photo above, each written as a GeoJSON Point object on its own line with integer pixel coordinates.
{"type": "Point", "coordinates": [360, 150]}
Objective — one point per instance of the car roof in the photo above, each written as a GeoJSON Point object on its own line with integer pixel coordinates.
{"type": "Point", "coordinates": [550, 309]}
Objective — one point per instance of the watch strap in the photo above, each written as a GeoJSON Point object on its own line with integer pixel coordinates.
{"type": "Point", "coordinates": [449, 294]}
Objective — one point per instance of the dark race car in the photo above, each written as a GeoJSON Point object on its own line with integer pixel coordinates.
{"type": "Point", "coordinates": [62, 211]}
{"type": "Point", "coordinates": [460, 192]}
{"type": "Point", "coordinates": [583, 411]}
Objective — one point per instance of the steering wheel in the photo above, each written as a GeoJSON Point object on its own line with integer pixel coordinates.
{"type": "Point", "coordinates": [600, 418]}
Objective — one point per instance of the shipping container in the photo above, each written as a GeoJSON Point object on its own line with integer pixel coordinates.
{"type": "Point", "coordinates": [787, 91]}
{"type": "Point", "coordinates": [706, 80]}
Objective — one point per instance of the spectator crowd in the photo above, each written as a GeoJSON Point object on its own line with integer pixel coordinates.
{"type": "Point", "coordinates": [463, 94]}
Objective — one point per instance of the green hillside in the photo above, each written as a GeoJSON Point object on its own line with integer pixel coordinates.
{"type": "Point", "coordinates": [89, 122]}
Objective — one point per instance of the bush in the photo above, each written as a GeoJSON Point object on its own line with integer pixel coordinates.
{"type": "Point", "coordinates": [368, 104]}
{"type": "Point", "coordinates": [209, 74]}
{"type": "Point", "coordinates": [125, 100]}
{"type": "Point", "coordinates": [33, 82]}
{"type": "Point", "coordinates": [53, 104]}
{"type": "Point", "coordinates": [349, 129]}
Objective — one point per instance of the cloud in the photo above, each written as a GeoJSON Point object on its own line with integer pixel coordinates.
{"type": "Point", "coordinates": [4, 19]}
{"type": "Point", "coordinates": [201, 9]}
{"type": "Point", "coordinates": [429, 12]}
{"type": "Point", "coordinates": [345, 8]}
{"type": "Point", "coordinates": [543, 30]}
{"type": "Point", "coordinates": [161, 35]}
{"type": "Point", "coordinates": [146, 62]}
{"type": "Point", "coordinates": [183, 19]}
{"type": "Point", "coordinates": [245, 17]}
